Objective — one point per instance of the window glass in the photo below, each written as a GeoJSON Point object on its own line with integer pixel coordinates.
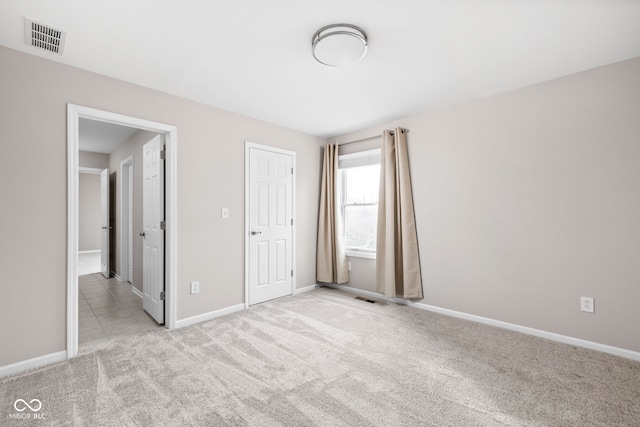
{"type": "Point", "coordinates": [361, 226]}
{"type": "Point", "coordinates": [360, 206]}
{"type": "Point", "coordinates": [362, 184]}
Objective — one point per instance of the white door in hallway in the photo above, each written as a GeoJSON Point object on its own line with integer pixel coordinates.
{"type": "Point", "coordinates": [270, 220]}
{"type": "Point", "coordinates": [104, 222]}
{"type": "Point", "coordinates": [153, 229]}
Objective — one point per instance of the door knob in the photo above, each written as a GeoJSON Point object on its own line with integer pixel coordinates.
{"type": "Point", "coordinates": [143, 235]}
{"type": "Point", "coordinates": [107, 228]}
{"type": "Point", "coordinates": [253, 233]}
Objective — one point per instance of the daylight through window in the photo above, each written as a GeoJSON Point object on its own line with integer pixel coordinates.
{"type": "Point", "coordinates": [360, 175]}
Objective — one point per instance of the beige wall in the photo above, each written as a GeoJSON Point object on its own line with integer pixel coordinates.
{"type": "Point", "coordinates": [131, 147]}
{"type": "Point", "coordinates": [89, 212]}
{"type": "Point", "coordinates": [88, 159]}
{"type": "Point", "coordinates": [210, 176]}
{"type": "Point", "coordinates": [527, 200]}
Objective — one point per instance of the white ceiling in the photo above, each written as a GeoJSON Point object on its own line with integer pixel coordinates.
{"type": "Point", "coordinates": [101, 137]}
{"type": "Point", "coordinates": [254, 56]}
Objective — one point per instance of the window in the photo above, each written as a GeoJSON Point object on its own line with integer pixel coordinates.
{"type": "Point", "coordinates": [360, 176]}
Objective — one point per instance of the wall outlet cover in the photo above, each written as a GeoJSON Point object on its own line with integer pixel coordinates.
{"type": "Point", "coordinates": [586, 304]}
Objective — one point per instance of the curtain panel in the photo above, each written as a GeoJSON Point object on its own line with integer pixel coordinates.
{"type": "Point", "coordinates": [331, 261]}
{"type": "Point", "coordinates": [398, 261]}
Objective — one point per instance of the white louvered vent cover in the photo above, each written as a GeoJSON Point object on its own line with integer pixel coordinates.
{"type": "Point", "coordinates": [44, 36]}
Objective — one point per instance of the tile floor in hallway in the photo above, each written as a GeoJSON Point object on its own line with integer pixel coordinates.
{"type": "Point", "coordinates": [107, 310]}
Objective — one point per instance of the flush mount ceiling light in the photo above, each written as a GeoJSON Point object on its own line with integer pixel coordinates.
{"type": "Point", "coordinates": [339, 44]}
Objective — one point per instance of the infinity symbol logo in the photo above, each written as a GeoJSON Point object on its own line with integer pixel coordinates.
{"type": "Point", "coordinates": [35, 408]}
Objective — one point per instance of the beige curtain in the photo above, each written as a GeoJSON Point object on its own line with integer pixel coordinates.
{"type": "Point", "coordinates": [398, 262]}
{"type": "Point", "coordinates": [331, 263]}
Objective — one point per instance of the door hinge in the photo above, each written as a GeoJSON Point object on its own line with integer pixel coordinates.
{"type": "Point", "coordinates": [162, 296]}
{"type": "Point", "coordinates": [163, 225]}
{"type": "Point", "coordinates": [291, 221]}
{"type": "Point", "coordinates": [163, 154]}
{"type": "Point", "coordinates": [291, 171]}
{"type": "Point", "coordinates": [291, 273]}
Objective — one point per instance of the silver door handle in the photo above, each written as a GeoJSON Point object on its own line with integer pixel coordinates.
{"type": "Point", "coordinates": [143, 235]}
{"type": "Point", "coordinates": [107, 228]}
{"type": "Point", "coordinates": [253, 233]}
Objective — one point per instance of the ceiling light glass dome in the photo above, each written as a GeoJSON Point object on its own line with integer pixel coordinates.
{"type": "Point", "coordinates": [337, 45]}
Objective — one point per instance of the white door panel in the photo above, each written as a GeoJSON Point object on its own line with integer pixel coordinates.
{"type": "Point", "coordinates": [153, 234]}
{"type": "Point", "coordinates": [104, 223]}
{"type": "Point", "coordinates": [270, 216]}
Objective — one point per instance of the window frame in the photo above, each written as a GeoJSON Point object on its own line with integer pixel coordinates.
{"type": "Point", "coordinates": [346, 162]}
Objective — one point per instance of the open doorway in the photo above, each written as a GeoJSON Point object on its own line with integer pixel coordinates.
{"type": "Point", "coordinates": [97, 199]}
{"type": "Point", "coordinates": [89, 221]}
{"type": "Point", "coordinates": [123, 257]}
{"type": "Point", "coordinates": [111, 300]}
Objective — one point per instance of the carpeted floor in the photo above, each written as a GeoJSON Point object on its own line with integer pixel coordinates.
{"type": "Point", "coordinates": [325, 358]}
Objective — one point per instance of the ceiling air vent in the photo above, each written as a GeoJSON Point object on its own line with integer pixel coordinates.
{"type": "Point", "coordinates": [43, 36]}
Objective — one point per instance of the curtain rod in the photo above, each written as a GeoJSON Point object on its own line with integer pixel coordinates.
{"type": "Point", "coordinates": [339, 144]}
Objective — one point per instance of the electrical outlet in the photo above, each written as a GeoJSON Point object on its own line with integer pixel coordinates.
{"type": "Point", "coordinates": [586, 304]}
{"type": "Point", "coordinates": [349, 266]}
{"type": "Point", "coordinates": [225, 213]}
{"type": "Point", "coordinates": [195, 287]}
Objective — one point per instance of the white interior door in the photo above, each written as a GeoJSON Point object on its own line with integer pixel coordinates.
{"type": "Point", "coordinates": [153, 233]}
{"type": "Point", "coordinates": [270, 225]}
{"type": "Point", "coordinates": [104, 222]}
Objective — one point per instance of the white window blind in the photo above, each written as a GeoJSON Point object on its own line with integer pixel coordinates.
{"type": "Point", "coordinates": [363, 158]}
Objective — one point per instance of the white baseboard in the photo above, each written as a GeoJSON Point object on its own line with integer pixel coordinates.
{"type": "Point", "coordinates": [136, 291]}
{"type": "Point", "coordinates": [208, 316]}
{"type": "Point", "coordinates": [89, 252]}
{"type": "Point", "coordinates": [629, 354]}
{"type": "Point", "coordinates": [116, 276]}
{"type": "Point", "coordinates": [36, 362]}
{"type": "Point", "coordinates": [305, 289]}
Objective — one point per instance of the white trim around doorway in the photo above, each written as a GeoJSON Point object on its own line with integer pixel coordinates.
{"type": "Point", "coordinates": [126, 205]}
{"type": "Point", "coordinates": [95, 171]}
{"type": "Point", "coordinates": [74, 114]}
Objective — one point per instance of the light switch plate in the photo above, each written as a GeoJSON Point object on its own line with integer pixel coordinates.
{"type": "Point", "coordinates": [195, 287]}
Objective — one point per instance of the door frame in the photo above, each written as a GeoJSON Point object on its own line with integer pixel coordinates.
{"type": "Point", "coordinates": [74, 114]}
{"type": "Point", "coordinates": [248, 146]}
{"type": "Point", "coordinates": [126, 205]}
{"type": "Point", "coordinates": [105, 222]}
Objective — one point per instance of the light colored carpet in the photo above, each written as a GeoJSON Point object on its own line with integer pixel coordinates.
{"type": "Point", "coordinates": [326, 358]}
